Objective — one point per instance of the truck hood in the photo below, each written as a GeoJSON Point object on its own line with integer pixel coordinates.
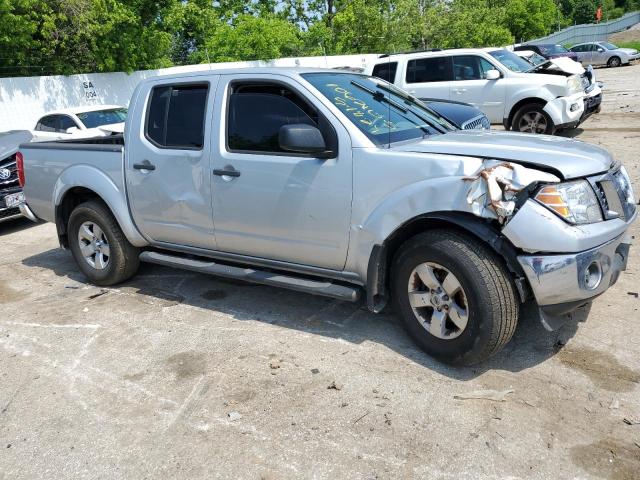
{"type": "Point", "coordinates": [564, 157]}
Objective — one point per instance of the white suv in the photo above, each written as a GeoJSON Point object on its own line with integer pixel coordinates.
{"type": "Point", "coordinates": [498, 82]}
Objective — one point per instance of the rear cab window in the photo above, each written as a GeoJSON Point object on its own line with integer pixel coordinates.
{"type": "Point", "coordinates": [176, 116]}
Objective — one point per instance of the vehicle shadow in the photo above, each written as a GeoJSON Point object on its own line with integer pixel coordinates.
{"type": "Point", "coordinates": [17, 225]}
{"type": "Point", "coordinates": [353, 323]}
{"type": "Point", "coordinates": [571, 132]}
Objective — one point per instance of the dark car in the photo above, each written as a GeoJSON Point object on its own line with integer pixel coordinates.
{"type": "Point", "coordinates": [10, 191]}
{"type": "Point", "coordinates": [463, 115]}
{"type": "Point", "coordinates": [548, 50]}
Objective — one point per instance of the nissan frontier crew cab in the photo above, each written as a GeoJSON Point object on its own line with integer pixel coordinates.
{"type": "Point", "coordinates": [342, 185]}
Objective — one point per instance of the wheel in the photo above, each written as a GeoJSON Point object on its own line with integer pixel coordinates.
{"type": "Point", "coordinates": [455, 296]}
{"type": "Point", "coordinates": [614, 62]}
{"type": "Point", "coordinates": [102, 252]}
{"type": "Point", "coordinates": [531, 118]}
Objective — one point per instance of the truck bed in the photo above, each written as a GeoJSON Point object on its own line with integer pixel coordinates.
{"type": "Point", "coordinates": [47, 169]}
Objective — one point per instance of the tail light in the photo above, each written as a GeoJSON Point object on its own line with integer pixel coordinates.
{"type": "Point", "coordinates": [20, 167]}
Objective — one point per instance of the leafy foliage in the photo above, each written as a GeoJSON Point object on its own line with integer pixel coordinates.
{"type": "Point", "coordinates": [71, 36]}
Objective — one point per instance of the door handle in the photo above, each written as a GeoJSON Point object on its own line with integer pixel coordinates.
{"type": "Point", "coordinates": [146, 165]}
{"type": "Point", "coordinates": [459, 90]}
{"type": "Point", "coordinates": [228, 171]}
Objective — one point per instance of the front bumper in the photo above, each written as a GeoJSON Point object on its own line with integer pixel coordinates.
{"type": "Point", "coordinates": [566, 112]}
{"type": "Point", "coordinates": [562, 283]}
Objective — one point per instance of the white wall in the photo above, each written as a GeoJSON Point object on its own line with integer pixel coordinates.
{"type": "Point", "coordinates": [23, 100]}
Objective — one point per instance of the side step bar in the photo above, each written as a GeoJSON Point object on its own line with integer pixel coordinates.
{"type": "Point", "coordinates": [316, 287]}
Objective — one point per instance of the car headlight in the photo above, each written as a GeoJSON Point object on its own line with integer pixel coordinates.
{"type": "Point", "coordinates": [624, 182]}
{"type": "Point", "coordinates": [575, 202]}
{"type": "Point", "coordinates": [575, 84]}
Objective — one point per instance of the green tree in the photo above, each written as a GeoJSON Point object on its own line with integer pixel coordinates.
{"type": "Point", "coordinates": [527, 19]}
{"type": "Point", "coordinates": [250, 38]}
{"type": "Point", "coordinates": [584, 11]}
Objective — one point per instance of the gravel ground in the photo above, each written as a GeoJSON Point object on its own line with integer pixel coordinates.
{"type": "Point", "coordinates": [179, 375]}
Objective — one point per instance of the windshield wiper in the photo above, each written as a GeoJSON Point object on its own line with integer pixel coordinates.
{"type": "Point", "coordinates": [379, 96]}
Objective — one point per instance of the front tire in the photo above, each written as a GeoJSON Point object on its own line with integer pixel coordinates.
{"type": "Point", "coordinates": [532, 118]}
{"type": "Point", "coordinates": [99, 247]}
{"type": "Point", "coordinates": [614, 62]}
{"type": "Point", "coordinates": [455, 296]}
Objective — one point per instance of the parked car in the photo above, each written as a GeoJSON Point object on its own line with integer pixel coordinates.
{"type": "Point", "coordinates": [604, 53]}
{"type": "Point", "coordinates": [81, 122]}
{"type": "Point", "coordinates": [342, 185]}
{"type": "Point", "coordinates": [530, 56]}
{"type": "Point", "coordinates": [496, 81]}
{"type": "Point", "coordinates": [548, 50]}
{"type": "Point", "coordinates": [463, 115]}
{"type": "Point", "coordinates": [10, 191]}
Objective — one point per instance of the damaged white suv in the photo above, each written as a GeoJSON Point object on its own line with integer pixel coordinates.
{"type": "Point", "coordinates": [340, 185]}
{"type": "Point", "coordinates": [508, 89]}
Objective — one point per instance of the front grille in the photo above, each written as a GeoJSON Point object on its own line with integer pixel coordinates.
{"type": "Point", "coordinates": [477, 123]}
{"type": "Point", "coordinates": [615, 195]}
{"type": "Point", "coordinates": [8, 173]}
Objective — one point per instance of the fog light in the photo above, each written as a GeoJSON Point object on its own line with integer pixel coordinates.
{"type": "Point", "coordinates": [592, 276]}
{"type": "Point", "coordinates": [574, 107]}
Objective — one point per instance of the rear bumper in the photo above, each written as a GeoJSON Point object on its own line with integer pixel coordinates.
{"type": "Point", "coordinates": [562, 283]}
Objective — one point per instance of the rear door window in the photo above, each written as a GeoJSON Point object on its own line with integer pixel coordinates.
{"type": "Point", "coordinates": [432, 69]}
{"type": "Point", "coordinates": [176, 115]}
{"type": "Point", "coordinates": [47, 124]}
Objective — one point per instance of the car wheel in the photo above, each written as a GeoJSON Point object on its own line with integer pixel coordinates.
{"type": "Point", "coordinates": [455, 296]}
{"type": "Point", "coordinates": [102, 252]}
{"type": "Point", "coordinates": [532, 118]}
{"type": "Point", "coordinates": [614, 62]}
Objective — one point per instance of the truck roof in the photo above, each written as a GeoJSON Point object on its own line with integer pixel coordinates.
{"type": "Point", "coordinates": [286, 71]}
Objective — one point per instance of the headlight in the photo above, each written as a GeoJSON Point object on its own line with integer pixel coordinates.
{"type": "Point", "coordinates": [624, 182]}
{"type": "Point", "coordinates": [575, 84]}
{"type": "Point", "coordinates": [576, 202]}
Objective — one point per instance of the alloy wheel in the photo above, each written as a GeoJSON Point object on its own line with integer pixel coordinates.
{"type": "Point", "coordinates": [438, 300]}
{"type": "Point", "coordinates": [94, 245]}
{"type": "Point", "coordinates": [533, 122]}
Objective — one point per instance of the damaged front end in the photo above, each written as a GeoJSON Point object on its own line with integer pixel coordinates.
{"type": "Point", "coordinates": [496, 187]}
{"type": "Point", "coordinates": [567, 252]}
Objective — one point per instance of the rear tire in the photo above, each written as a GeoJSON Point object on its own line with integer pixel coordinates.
{"type": "Point", "coordinates": [99, 247]}
{"type": "Point", "coordinates": [481, 314]}
{"type": "Point", "coordinates": [532, 118]}
{"type": "Point", "coordinates": [614, 62]}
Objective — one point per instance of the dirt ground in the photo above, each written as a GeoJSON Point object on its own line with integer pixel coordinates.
{"type": "Point", "coordinates": [629, 35]}
{"type": "Point", "coordinates": [179, 375]}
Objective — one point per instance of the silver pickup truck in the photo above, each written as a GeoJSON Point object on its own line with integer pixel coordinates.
{"type": "Point", "coordinates": [342, 185]}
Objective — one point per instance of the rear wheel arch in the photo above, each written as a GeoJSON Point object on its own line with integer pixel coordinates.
{"type": "Point", "coordinates": [382, 255]}
{"type": "Point", "coordinates": [69, 201]}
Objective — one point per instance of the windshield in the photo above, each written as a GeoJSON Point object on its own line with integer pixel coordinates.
{"type": "Point", "coordinates": [608, 46]}
{"type": "Point", "coordinates": [384, 113]}
{"type": "Point", "coordinates": [103, 117]}
{"type": "Point", "coordinates": [510, 60]}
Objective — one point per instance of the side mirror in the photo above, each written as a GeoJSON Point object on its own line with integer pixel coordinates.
{"type": "Point", "coordinates": [302, 138]}
{"type": "Point", "coordinates": [71, 130]}
{"type": "Point", "coordinates": [492, 75]}
{"type": "Point", "coordinates": [600, 49]}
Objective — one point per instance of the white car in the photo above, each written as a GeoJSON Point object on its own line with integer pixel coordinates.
{"type": "Point", "coordinates": [81, 122]}
{"type": "Point", "coordinates": [498, 82]}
